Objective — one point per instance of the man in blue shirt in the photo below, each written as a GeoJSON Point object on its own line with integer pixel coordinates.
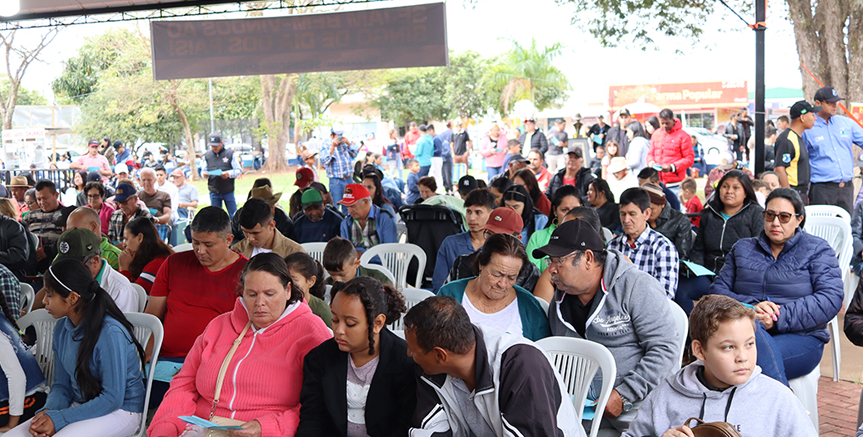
{"type": "Point", "coordinates": [424, 151]}
{"type": "Point", "coordinates": [446, 154]}
{"type": "Point", "coordinates": [478, 204]}
{"type": "Point", "coordinates": [338, 160]}
{"type": "Point", "coordinates": [368, 225]}
{"type": "Point", "coordinates": [831, 159]}
{"type": "Point", "coordinates": [316, 224]}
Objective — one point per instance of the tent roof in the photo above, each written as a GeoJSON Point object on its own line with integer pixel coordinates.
{"type": "Point", "coordinates": [41, 9]}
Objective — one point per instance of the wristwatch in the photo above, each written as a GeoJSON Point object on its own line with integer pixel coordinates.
{"type": "Point", "coordinates": [626, 404]}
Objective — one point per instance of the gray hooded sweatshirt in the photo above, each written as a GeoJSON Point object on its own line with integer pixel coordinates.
{"type": "Point", "coordinates": [760, 407]}
{"type": "Point", "coordinates": [631, 317]}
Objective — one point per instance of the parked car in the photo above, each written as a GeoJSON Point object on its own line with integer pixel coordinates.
{"type": "Point", "coordinates": [712, 145]}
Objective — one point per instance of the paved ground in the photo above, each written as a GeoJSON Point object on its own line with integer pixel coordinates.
{"type": "Point", "coordinates": [838, 401]}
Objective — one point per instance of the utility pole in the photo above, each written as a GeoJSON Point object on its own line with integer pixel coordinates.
{"type": "Point", "coordinates": [212, 121]}
{"type": "Point", "coordinates": [760, 28]}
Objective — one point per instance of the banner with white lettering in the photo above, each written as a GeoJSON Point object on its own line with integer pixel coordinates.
{"type": "Point", "coordinates": [411, 36]}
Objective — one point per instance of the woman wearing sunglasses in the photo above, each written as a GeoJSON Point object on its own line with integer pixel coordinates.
{"type": "Point", "coordinates": [793, 281]}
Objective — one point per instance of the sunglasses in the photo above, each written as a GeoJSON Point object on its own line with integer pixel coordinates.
{"type": "Point", "coordinates": [784, 217]}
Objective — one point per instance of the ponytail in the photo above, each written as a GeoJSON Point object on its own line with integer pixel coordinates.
{"type": "Point", "coordinates": [96, 304]}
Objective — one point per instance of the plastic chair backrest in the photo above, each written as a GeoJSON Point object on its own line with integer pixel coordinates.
{"type": "Point", "coordinates": [681, 322]}
{"type": "Point", "coordinates": [412, 297]}
{"type": "Point", "coordinates": [44, 347]}
{"type": "Point", "coordinates": [402, 232]}
{"type": "Point", "coordinates": [397, 258]}
{"type": "Point", "coordinates": [185, 247]}
{"type": "Point", "coordinates": [607, 234]}
{"type": "Point", "coordinates": [382, 269]}
{"type": "Point", "coordinates": [577, 361]}
{"type": "Point", "coordinates": [315, 250]}
{"type": "Point", "coordinates": [837, 233]}
{"type": "Point", "coordinates": [144, 326]}
{"type": "Point", "coordinates": [29, 297]}
{"type": "Point", "coordinates": [327, 293]}
{"type": "Point", "coordinates": [142, 297]}
{"type": "Point", "coordinates": [543, 304]}
{"type": "Point", "coordinates": [827, 211]}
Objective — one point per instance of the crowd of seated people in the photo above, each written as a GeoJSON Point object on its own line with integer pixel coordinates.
{"type": "Point", "coordinates": [262, 336]}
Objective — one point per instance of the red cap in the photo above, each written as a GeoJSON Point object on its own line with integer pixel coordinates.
{"type": "Point", "coordinates": [504, 220]}
{"type": "Point", "coordinates": [354, 193]}
{"type": "Point", "coordinates": [305, 176]}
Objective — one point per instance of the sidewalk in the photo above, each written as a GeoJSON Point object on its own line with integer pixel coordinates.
{"type": "Point", "coordinates": [838, 401]}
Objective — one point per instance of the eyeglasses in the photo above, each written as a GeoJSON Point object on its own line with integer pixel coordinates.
{"type": "Point", "coordinates": [552, 261]}
{"type": "Point", "coordinates": [784, 217]}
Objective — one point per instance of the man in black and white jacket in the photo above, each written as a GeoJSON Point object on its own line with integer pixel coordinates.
{"type": "Point", "coordinates": [477, 381]}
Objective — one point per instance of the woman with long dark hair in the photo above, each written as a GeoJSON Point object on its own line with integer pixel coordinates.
{"type": "Point", "coordinates": [365, 357]}
{"type": "Point", "coordinates": [651, 125]}
{"type": "Point", "coordinates": [639, 145]}
{"type": "Point", "coordinates": [98, 384]}
{"type": "Point", "coordinates": [517, 198]}
{"type": "Point", "coordinates": [263, 341]}
{"type": "Point", "coordinates": [70, 196]}
{"type": "Point", "coordinates": [372, 182]}
{"type": "Point", "coordinates": [599, 196]}
{"type": "Point", "coordinates": [144, 254]}
{"type": "Point", "coordinates": [25, 392]}
{"type": "Point", "coordinates": [526, 178]}
{"type": "Point", "coordinates": [498, 187]}
{"type": "Point", "coordinates": [565, 199]}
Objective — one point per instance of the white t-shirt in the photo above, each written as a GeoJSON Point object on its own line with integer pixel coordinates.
{"type": "Point", "coordinates": [257, 250]}
{"type": "Point", "coordinates": [505, 320]}
{"type": "Point", "coordinates": [174, 192]}
{"type": "Point", "coordinates": [119, 288]}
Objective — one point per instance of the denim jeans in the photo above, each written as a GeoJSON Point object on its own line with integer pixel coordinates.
{"type": "Point", "coordinates": [216, 200]}
{"type": "Point", "coordinates": [689, 289]}
{"type": "Point", "coordinates": [787, 356]}
{"type": "Point", "coordinates": [446, 170]}
{"type": "Point", "coordinates": [493, 171]}
{"type": "Point", "coordinates": [424, 171]}
{"type": "Point", "coordinates": [337, 190]}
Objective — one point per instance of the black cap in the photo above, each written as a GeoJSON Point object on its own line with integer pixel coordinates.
{"type": "Point", "coordinates": [117, 144]}
{"type": "Point", "coordinates": [571, 236]}
{"type": "Point", "coordinates": [827, 94]}
{"type": "Point", "coordinates": [467, 184]}
{"type": "Point", "coordinates": [517, 158]}
{"type": "Point", "coordinates": [803, 107]}
{"type": "Point", "coordinates": [624, 112]}
{"type": "Point", "coordinates": [214, 139]}
{"type": "Point", "coordinates": [576, 151]}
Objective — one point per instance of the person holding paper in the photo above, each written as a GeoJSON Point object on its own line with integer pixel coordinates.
{"type": "Point", "coordinates": [222, 167]}
{"type": "Point", "coordinates": [246, 368]}
{"type": "Point", "coordinates": [794, 282]}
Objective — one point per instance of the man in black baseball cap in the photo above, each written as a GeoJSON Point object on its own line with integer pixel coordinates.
{"type": "Point", "coordinates": [601, 297]}
{"type": "Point", "coordinates": [465, 185]}
{"type": "Point", "coordinates": [222, 167]}
{"type": "Point", "coordinates": [792, 158]}
{"type": "Point", "coordinates": [831, 161]}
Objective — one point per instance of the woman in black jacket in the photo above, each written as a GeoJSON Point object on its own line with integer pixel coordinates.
{"type": "Point", "coordinates": [731, 214]}
{"type": "Point", "coordinates": [364, 364]}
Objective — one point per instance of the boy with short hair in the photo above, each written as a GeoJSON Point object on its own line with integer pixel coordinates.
{"type": "Point", "coordinates": [513, 147]}
{"type": "Point", "coordinates": [342, 262]}
{"type": "Point", "coordinates": [691, 201]}
{"type": "Point", "coordinates": [725, 385]}
{"type": "Point", "coordinates": [413, 182]}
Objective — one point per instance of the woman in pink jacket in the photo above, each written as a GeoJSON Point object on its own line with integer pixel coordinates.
{"type": "Point", "coordinates": [259, 387]}
{"type": "Point", "coordinates": [493, 148]}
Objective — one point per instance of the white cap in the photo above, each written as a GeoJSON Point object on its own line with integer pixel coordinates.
{"type": "Point", "coordinates": [121, 168]}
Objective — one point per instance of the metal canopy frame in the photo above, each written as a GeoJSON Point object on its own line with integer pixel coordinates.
{"type": "Point", "coordinates": [172, 9]}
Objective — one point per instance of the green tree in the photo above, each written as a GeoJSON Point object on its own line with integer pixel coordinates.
{"type": "Point", "coordinates": [827, 33]}
{"type": "Point", "coordinates": [413, 95]}
{"type": "Point", "coordinates": [528, 73]}
{"type": "Point", "coordinates": [464, 93]}
{"type": "Point", "coordinates": [25, 96]}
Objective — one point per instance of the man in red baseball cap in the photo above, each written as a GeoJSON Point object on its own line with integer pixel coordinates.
{"type": "Point", "coordinates": [368, 225]}
{"type": "Point", "coordinates": [305, 176]}
{"type": "Point", "coordinates": [500, 221]}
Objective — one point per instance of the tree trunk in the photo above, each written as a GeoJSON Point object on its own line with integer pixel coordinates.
{"type": "Point", "coordinates": [187, 131]}
{"type": "Point", "coordinates": [277, 98]}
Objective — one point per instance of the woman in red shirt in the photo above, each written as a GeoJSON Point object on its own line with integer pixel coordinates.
{"type": "Point", "coordinates": [527, 179]}
{"type": "Point", "coordinates": [145, 252]}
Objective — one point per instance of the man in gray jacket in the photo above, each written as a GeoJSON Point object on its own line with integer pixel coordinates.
{"type": "Point", "coordinates": [599, 296]}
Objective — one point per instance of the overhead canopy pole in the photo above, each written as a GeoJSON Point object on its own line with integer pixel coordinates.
{"type": "Point", "coordinates": [760, 28]}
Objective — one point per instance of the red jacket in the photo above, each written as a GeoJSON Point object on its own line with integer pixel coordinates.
{"type": "Point", "coordinates": [671, 148]}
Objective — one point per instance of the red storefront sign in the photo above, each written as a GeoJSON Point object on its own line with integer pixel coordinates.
{"type": "Point", "coordinates": [682, 95]}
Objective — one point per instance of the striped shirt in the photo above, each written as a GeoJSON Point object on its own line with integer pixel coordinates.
{"type": "Point", "coordinates": [339, 163]}
{"type": "Point", "coordinates": [11, 289]}
{"type": "Point", "coordinates": [653, 254]}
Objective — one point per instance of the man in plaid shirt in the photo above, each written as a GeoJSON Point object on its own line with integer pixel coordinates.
{"type": "Point", "coordinates": [126, 199]}
{"type": "Point", "coordinates": [11, 289]}
{"type": "Point", "coordinates": [651, 252]}
{"type": "Point", "coordinates": [337, 159]}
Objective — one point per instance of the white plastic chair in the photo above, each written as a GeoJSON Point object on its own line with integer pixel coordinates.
{"type": "Point", "coordinates": [382, 269]}
{"type": "Point", "coordinates": [28, 296]}
{"type": "Point", "coordinates": [837, 232]}
{"type": "Point", "coordinates": [396, 258]}
{"type": "Point", "coordinates": [328, 293]}
{"type": "Point", "coordinates": [806, 390]}
{"type": "Point", "coordinates": [402, 233]}
{"type": "Point", "coordinates": [315, 250]}
{"type": "Point", "coordinates": [185, 247]}
{"type": "Point", "coordinates": [607, 234]}
{"type": "Point", "coordinates": [44, 347]}
{"type": "Point", "coordinates": [142, 297]}
{"type": "Point", "coordinates": [543, 304]}
{"type": "Point", "coordinates": [577, 361]}
{"type": "Point", "coordinates": [412, 297]}
{"type": "Point", "coordinates": [681, 322]}
{"type": "Point", "coordinates": [827, 211]}
{"type": "Point", "coordinates": [146, 325]}
{"type": "Point", "coordinates": [400, 333]}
